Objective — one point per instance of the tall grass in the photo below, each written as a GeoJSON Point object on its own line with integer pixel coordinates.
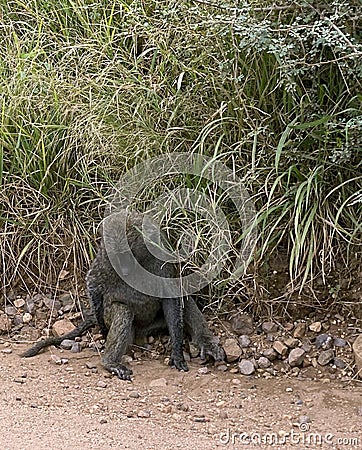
{"type": "Point", "coordinates": [89, 89]}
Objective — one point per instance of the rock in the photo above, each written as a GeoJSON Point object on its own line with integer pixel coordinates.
{"type": "Point", "coordinates": [101, 384]}
{"type": "Point", "coordinates": [203, 370]}
{"type": "Point", "coordinates": [357, 351]}
{"type": "Point", "coordinates": [339, 342]}
{"type": "Point", "coordinates": [67, 308]}
{"type": "Point", "coordinates": [291, 342]}
{"type": "Point", "coordinates": [10, 310]}
{"type": "Point", "coordinates": [27, 318]}
{"type": "Point", "coordinates": [306, 347]}
{"type": "Point", "coordinates": [246, 367]}
{"type": "Point", "coordinates": [304, 419]}
{"type": "Point", "coordinates": [103, 420]}
{"type": "Point", "coordinates": [18, 320]}
{"type": "Point", "coordinates": [90, 365]}
{"type": "Point", "coordinates": [270, 353]}
{"type": "Point", "coordinates": [62, 326]}
{"type": "Point", "coordinates": [296, 357]}
{"type": "Point", "coordinates": [76, 347]}
{"type": "Point", "coordinates": [263, 362]}
{"type": "Point", "coordinates": [222, 367]}
{"type": "Point", "coordinates": [29, 306]}
{"type": "Point", "coordinates": [315, 327]}
{"type": "Point", "coordinates": [134, 394]}
{"type": "Point", "coordinates": [325, 357]}
{"type": "Point", "coordinates": [338, 362]}
{"type": "Point", "coordinates": [158, 382]}
{"type": "Point", "coordinates": [244, 341]}
{"type": "Point", "coordinates": [232, 350]}
{"type": "Point", "coordinates": [19, 302]}
{"type": "Point", "coordinates": [324, 341]}
{"type": "Point", "coordinates": [5, 323]}
{"type": "Point", "coordinates": [280, 348]}
{"type": "Point", "coordinates": [269, 327]}
{"type": "Point", "coordinates": [144, 414]}
{"type": "Point", "coordinates": [242, 324]}
{"type": "Point", "coordinates": [299, 330]}
{"type": "Point", "coordinates": [51, 303]}
{"type": "Point", "coordinates": [66, 344]}
{"type": "Point", "coordinates": [7, 351]}
{"type": "Point", "coordinates": [66, 299]}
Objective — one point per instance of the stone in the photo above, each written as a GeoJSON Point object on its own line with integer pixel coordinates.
{"type": "Point", "coordinates": [101, 384]}
{"type": "Point", "coordinates": [339, 342]}
{"type": "Point", "coordinates": [280, 348]}
{"type": "Point", "coordinates": [325, 357]}
{"type": "Point", "coordinates": [296, 357]}
{"type": "Point", "coordinates": [5, 323]}
{"type": "Point", "coordinates": [299, 330]}
{"type": "Point", "coordinates": [246, 367]}
{"type": "Point", "coordinates": [90, 364]}
{"type": "Point", "coordinates": [244, 341]}
{"type": "Point", "coordinates": [76, 347]}
{"type": "Point", "coordinates": [10, 310]}
{"type": "Point", "coordinates": [29, 306]}
{"type": "Point", "coordinates": [357, 351]}
{"type": "Point", "coordinates": [270, 353]}
{"type": "Point", "coordinates": [203, 370]}
{"type": "Point", "coordinates": [159, 382]}
{"type": "Point", "coordinates": [269, 327]}
{"type": "Point", "coordinates": [27, 318]}
{"type": "Point", "coordinates": [315, 327]}
{"type": "Point", "coordinates": [339, 363]}
{"type": "Point", "coordinates": [263, 362]}
{"type": "Point", "coordinates": [232, 349]}
{"type": "Point", "coordinates": [324, 341]}
{"type": "Point", "coordinates": [51, 303]}
{"type": "Point", "coordinates": [144, 414]}
{"type": "Point", "coordinates": [62, 326]}
{"type": "Point", "coordinates": [134, 394]}
{"type": "Point", "coordinates": [291, 342]}
{"type": "Point", "coordinates": [19, 302]}
{"type": "Point", "coordinates": [242, 324]}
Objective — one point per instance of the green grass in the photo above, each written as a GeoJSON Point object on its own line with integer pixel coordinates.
{"type": "Point", "coordinates": [90, 89]}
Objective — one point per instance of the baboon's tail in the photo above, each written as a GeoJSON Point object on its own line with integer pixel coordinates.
{"type": "Point", "coordinates": [89, 322]}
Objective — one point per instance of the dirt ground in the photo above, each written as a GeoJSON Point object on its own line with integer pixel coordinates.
{"type": "Point", "coordinates": [49, 406]}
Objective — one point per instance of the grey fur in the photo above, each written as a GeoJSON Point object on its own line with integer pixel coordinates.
{"type": "Point", "coordinates": [122, 312]}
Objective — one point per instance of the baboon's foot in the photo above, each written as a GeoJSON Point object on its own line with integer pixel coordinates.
{"type": "Point", "coordinates": [122, 372]}
{"type": "Point", "coordinates": [214, 350]}
{"type": "Point", "coordinates": [178, 362]}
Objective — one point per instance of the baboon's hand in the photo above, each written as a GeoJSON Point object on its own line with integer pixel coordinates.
{"type": "Point", "coordinates": [214, 350]}
{"type": "Point", "coordinates": [179, 363]}
{"type": "Point", "coordinates": [122, 372]}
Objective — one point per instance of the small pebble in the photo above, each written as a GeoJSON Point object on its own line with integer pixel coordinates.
{"type": "Point", "coordinates": [339, 342]}
{"type": "Point", "coordinates": [246, 367]}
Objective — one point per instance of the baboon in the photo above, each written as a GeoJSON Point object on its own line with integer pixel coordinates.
{"type": "Point", "coordinates": [123, 312]}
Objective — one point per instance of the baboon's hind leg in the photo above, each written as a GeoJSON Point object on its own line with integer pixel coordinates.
{"type": "Point", "coordinates": [196, 326]}
{"type": "Point", "coordinates": [120, 336]}
{"type": "Point", "coordinates": [173, 311]}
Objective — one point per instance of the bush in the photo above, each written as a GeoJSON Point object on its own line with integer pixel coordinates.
{"type": "Point", "coordinates": [89, 89]}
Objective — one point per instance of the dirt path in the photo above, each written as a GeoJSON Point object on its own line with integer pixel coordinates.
{"type": "Point", "coordinates": [44, 405]}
